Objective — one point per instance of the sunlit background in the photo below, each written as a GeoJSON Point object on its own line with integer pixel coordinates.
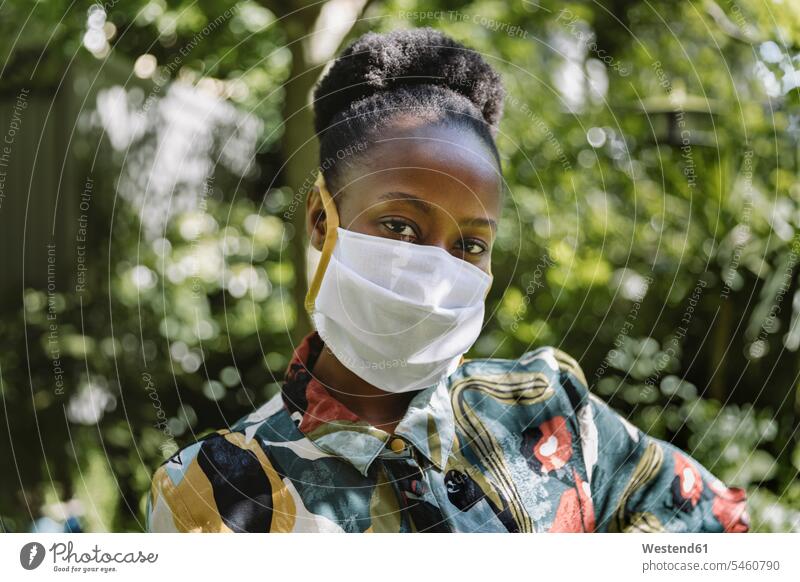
{"type": "Point", "coordinates": [154, 161]}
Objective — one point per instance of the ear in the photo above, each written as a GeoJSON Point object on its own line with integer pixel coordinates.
{"type": "Point", "coordinates": [316, 223]}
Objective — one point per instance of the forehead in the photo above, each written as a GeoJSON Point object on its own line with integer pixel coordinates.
{"type": "Point", "coordinates": [443, 165]}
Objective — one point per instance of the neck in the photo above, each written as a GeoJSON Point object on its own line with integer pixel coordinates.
{"type": "Point", "coordinates": [381, 409]}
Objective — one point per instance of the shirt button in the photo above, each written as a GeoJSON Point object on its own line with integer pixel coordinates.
{"type": "Point", "coordinates": [397, 445]}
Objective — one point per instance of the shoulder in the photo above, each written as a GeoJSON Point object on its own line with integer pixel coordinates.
{"type": "Point", "coordinates": [549, 360]}
{"type": "Point", "coordinates": [221, 482]}
{"type": "Point", "coordinates": [552, 371]}
{"type": "Point", "coordinates": [177, 487]}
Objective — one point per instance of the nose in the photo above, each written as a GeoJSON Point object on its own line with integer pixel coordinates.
{"type": "Point", "coordinates": [437, 242]}
{"type": "Point", "coordinates": [438, 233]}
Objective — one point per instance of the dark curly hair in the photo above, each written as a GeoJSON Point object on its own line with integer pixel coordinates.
{"type": "Point", "coordinates": [381, 76]}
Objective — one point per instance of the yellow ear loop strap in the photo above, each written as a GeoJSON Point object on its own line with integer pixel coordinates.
{"type": "Point", "coordinates": [331, 224]}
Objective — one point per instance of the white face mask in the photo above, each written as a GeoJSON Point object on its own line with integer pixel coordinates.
{"type": "Point", "coordinates": [397, 314]}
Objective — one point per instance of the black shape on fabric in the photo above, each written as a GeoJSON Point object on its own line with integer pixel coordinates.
{"type": "Point", "coordinates": [241, 489]}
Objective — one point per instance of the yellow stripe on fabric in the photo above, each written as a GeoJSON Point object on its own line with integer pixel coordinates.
{"type": "Point", "coordinates": [192, 501]}
{"type": "Point", "coordinates": [510, 388]}
{"type": "Point", "coordinates": [435, 442]}
{"type": "Point", "coordinates": [384, 511]}
{"type": "Point", "coordinates": [568, 363]}
{"type": "Point", "coordinates": [645, 471]}
{"type": "Point", "coordinates": [486, 447]}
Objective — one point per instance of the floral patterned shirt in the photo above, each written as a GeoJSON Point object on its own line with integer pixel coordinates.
{"type": "Point", "coordinates": [500, 446]}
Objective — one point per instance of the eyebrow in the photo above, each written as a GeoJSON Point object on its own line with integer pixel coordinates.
{"type": "Point", "coordinates": [480, 221]}
{"type": "Point", "coordinates": [423, 205]}
{"type": "Point", "coordinates": [426, 207]}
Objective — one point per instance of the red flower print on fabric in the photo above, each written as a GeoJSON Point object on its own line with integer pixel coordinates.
{"type": "Point", "coordinates": [687, 485]}
{"type": "Point", "coordinates": [554, 448]}
{"type": "Point", "coordinates": [730, 507]}
{"type": "Point", "coordinates": [575, 511]}
{"type": "Point", "coordinates": [548, 446]}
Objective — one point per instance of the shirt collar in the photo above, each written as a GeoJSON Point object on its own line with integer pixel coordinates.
{"type": "Point", "coordinates": [428, 424]}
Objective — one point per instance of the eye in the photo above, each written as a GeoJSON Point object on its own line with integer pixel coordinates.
{"type": "Point", "coordinates": [472, 246]}
{"type": "Point", "coordinates": [400, 228]}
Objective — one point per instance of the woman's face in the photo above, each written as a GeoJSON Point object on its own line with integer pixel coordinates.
{"type": "Point", "coordinates": [423, 184]}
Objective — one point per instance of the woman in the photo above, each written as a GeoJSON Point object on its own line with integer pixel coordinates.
{"type": "Point", "coordinates": [381, 424]}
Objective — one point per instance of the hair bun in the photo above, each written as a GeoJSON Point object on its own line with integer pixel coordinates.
{"type": "Point", "coordinates": [382, 62]}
